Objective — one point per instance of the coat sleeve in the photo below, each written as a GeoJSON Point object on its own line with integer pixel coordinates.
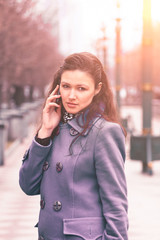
{"type": "Point", "coordinates": [31, 171]}
{"type": "Point", "coordinates": [109, 163]}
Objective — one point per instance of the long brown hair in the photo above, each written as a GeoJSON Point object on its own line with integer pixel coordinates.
{"type": "Point", "coordinates": [102, 103]}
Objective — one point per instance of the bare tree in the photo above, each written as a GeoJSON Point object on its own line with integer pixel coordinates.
{"type": "Point", "coordinates": [28, 51]}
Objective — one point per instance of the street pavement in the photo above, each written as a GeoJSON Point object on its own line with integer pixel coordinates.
{"type": "Point", "coordinates": [19, 213]}
{"type": "Point", "coordinates": [144, 201]}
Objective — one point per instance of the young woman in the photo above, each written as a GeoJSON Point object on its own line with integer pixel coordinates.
{"type": "Point", "coordinates": [76, 161]}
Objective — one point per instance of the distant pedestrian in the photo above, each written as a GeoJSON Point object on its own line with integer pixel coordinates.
{"type": "Point", "coordinates": [76, 160]}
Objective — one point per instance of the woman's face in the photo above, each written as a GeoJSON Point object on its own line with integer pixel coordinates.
{"type": "Point", "coordinates": [77, 90]}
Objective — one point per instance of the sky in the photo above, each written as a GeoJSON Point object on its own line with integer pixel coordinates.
{"type": "Point", "coordinates": [93, 14]}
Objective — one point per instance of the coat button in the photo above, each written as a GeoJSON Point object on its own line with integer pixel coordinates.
{"type": "Point", "coordinates": [41, 238]}
{"type": "Point", "coordinates": [73, 132]}
{"type": "Point", "coordinates": [57, 206]}
{"type": "Point", "coordinates": [42, 203]}
{"type": "Point", "coordinates": [59, 167]}
{"type": "Point", "coordinates": [45, 166]}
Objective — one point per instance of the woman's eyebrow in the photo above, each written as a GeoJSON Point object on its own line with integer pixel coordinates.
{"type": "Point", "coordinates": [65, 82]}
{"type": "Point", "coordinates": [82, 85]}
{"type": "Point", "coordinates": [78, 85]}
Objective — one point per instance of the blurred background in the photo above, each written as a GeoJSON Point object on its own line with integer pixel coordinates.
{"type": "Point", "coordinates": [35, 36]}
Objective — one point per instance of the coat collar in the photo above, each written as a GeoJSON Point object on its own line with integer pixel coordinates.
{"type": "Point", "coordinates": [78, 127]}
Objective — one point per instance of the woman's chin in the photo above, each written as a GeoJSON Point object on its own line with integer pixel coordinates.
{"type": "Point", "coordinates": [71, 111]}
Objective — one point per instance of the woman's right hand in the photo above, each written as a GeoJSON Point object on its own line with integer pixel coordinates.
{"type": "Point", "coordinates": [51, 115]}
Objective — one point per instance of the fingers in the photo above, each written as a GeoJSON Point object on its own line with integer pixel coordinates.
{"type": "Point", "coordinates": [52, 104]}
{"type": "Point", "coordinates": [52, 98]}
{"type": "Point", "coordinates": [54, 95]}
{"type": "Point", "coordinates": [55, 91]}
{"type": "Point", "coordinates": [51, 101]}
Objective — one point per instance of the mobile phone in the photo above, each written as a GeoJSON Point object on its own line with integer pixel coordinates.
{"type": "Point", "coordinates": [58, 100]}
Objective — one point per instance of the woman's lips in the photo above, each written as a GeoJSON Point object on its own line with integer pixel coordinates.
{"type": "Point", "coordinates": [71, 105]}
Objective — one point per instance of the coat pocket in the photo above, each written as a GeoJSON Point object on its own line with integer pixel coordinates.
{"type": "Point", "coordinates": [84, 228]}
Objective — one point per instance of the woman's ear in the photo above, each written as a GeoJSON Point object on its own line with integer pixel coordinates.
{"type": "Point", "coordinates": [98, 88]}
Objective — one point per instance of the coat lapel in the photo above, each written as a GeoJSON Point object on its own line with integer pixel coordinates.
{"type": "Point", "coordinates": [79, 127]}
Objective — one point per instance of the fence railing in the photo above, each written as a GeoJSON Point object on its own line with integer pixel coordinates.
{"type": "Point", "coordinates": [14, 124]}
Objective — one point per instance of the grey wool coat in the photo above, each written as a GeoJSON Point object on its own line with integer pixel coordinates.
{"type": "Point", "coordinates": [83, 193]}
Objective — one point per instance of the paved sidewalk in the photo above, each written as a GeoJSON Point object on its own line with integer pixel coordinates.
{"type": "Point", "coordinates": [19, 213]}
{"type": "Point", "coordinates": [144, 201]}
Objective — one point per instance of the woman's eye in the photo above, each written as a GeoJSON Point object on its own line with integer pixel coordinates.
{"type": "Point", "coordinates": [81, 88]}
{"type": "Point", "coordinates": [65, 86]}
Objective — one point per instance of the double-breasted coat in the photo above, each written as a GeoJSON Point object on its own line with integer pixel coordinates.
{"type": "Point", "coordinates": [83, 193]}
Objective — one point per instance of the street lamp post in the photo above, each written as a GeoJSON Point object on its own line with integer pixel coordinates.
{"type": "Point", "coordinates": [104, 48]}
{"type": "Point", "coordinates": [101, 47]}
{"type": "Point", "coordinates": [146, 67]}
{"type": "Point", "coordinates": [146, 76]}
{"type": "Point", "coordinates": [146, 147]}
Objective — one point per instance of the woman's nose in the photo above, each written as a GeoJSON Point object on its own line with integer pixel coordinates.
{"type": "Point", "coordinates": [72, 94]}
